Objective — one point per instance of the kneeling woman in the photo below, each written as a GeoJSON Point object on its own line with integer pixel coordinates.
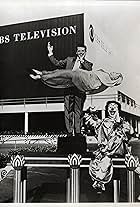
{"type": "Point", "coordinates": [85, 81]}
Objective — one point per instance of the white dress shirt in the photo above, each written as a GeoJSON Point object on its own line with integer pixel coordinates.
{"type": "Point", "coordinates": [76, 64]}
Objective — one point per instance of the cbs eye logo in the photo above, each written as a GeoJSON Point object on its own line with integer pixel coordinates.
{"type": "Point", "coordinates": [91, 33]}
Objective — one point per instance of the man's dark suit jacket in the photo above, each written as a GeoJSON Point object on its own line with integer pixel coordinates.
{"type": "Point", "coordinates": [68, 64]}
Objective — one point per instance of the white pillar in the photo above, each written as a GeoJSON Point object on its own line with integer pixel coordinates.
{"type": "Point", "coordinates": [103, 114]}
{"type": "Point", "coordinates": [131, 122]}
{"type": "Point", "coordinates": [74, 161]}
{"type": "Point", "coordinates": [75, 185]}
{"type": "Point", "coordinates": [131, 186]}
{"type": "Point", "coordinates": [24, 191]}
{"type": "Point", "coordinates": [26, 123]}
{"type": "Point", "coordinates": [116, 185]}
{"type": "Point", "coordinates": [139, 126]}
{"type": "Point", "coordinates": [17, 198]}
{"type": "Point", "coordinates": [24, 183]}
{"type": "Point", "coordinates": [17, 163]}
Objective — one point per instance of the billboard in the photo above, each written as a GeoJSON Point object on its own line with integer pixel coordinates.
{"type": "Point", "coordinates": [24, 46]}
{"type": "Point", "coordinates": [100, 51]}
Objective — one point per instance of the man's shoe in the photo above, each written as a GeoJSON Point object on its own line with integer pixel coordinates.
{"type": "Point", "coordinates": [37, 72]}
{"type": "Point", "coordinates": [35, 77]}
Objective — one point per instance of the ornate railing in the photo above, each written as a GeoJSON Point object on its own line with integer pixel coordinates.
{"type": "Point", "coordinates": [39, 100]}
{"type": "Point", "coordinates": [74, 162]}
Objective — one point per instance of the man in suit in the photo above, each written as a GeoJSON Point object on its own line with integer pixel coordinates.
{"type": "Point", "coordinates": [73, 98]}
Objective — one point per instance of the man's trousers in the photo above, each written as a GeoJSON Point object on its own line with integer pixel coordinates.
{"type": "Point", "coordinates": [73, 109]}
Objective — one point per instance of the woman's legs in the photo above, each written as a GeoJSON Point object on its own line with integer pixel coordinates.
{"type": "Point", "coordinates": [68, 74]}
{"type": "Point", "coordinates": [37, 72]}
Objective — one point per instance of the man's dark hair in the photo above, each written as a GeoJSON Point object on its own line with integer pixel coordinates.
{"type": "Point", "coordinates": [81, 45]}
{"type": "Point", "coordinates": [109, 102]}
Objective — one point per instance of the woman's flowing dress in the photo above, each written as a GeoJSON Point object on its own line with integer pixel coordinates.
{"type": "Point", "coordinates": [95, 81]}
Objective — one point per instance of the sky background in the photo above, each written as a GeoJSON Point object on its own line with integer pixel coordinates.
{"type": "Point", "coordinates": [119, 21]}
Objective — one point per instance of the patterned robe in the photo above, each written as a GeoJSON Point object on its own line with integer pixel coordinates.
{"type": "Point", "coordinates": [112, 140]}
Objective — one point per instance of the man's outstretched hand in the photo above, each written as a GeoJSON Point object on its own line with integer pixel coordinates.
{"type": "Point", "coordinates": [50, 49]}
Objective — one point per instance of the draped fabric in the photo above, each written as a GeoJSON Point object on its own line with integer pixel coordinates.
{"type": "Point", "coordinates": [100, 170]}
{"type": "Point", "coordinates": [95, 81]}
{"type": "Point", "coordinates": [111, 141]}
{"type": "Point", "coordinates": [57, 78]}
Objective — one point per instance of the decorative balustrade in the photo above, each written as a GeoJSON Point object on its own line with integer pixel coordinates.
{"type": "Point", "coordinates": [74, 162]}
